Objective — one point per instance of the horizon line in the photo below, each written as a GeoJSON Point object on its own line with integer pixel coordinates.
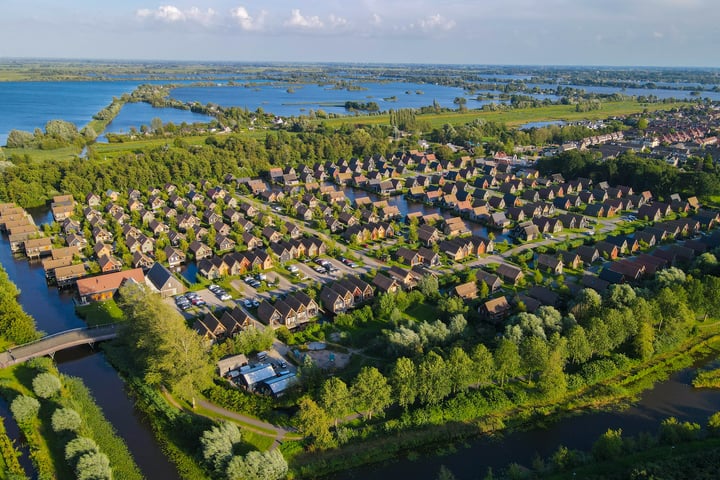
{"type": "Point", "coordinates": [336, 62]}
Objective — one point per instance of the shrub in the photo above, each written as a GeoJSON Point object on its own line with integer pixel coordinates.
{"type": "Point", "coordinates": [45, 385]}
{"type": "Point", "coordinates": [714, 424]}
{"type": "Point", "coordinates": [66, 419]}
{"type": "Point", "coordinates": [673, 432]}
{"type": "Point", "coordinates": [77, 447]}
{"type": "Point", "coordinates": [93, 466]}
{"type": "Point", "coordinates": [218, 444]}
{"type": "Point", "coordinates": [41, 364]}
{"type": "Point", "coordinates": [609, 446]}
{"type": "Point", "coordinates": [24, 408]}
{"type": "Point", "coordinates": [258, 465]}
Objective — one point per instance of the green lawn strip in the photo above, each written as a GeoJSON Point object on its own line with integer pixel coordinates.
{"type": "Point", "coordinates": [17, 380]}
{"type": "Point", "coordinates": [38, 155]}
{"type": "Point", "coordinates": [102, 431]}
{"type": "Point", "coordinates": [513, 117]}
{"type": "Point", "coordinates": [9, 463]}
{"type": "Point", "coordinates": [214, 415]}
{"type": "Point", "coordinates": [422, 312]}
{"type": "Point", "coordinates": [100, 313]}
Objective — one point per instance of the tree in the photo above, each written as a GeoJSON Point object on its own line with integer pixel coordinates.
{"type": "Point", "coordinates": [218, 445]}
{"type": "Point", "coordinates": [270, 465]}
{"type": "Point", "coordinates": [93, 466]}
{"type": "Point", "coordinates": [534, 355]}
{"type": "Point", "coordinates": [643, 341]}
{"type": "Point", "coordinates": [370, 391]}
{"type": "Point", "coordinates": [579, 348]}
{"type": "Point", "coordinates": [166, 350]}
{"type": "Point", "coordinates": [451, 305]}
{"type": "Point", "coordinates": [19, 139]}
{"type": "Point", "coordinates": [620, 295]}
{"type": "Point", "coordinates": [670, 277]}
{"type": "Point", "coordinates": [65, 419]}
{"type": "Point", "coordinates": [433, 381]}
{"type": "Point", "coordinates": [461, 102]}
{"type": "Point", "coordinates": [609, 446]}
{"type": "Point", "coordinates": [429, 286]}
{"type": "Point", "coordinates": [403, 379]}
{"type": "Point", "coordinates": [334, 398]}
{"type": "Point", "coordinates": [24, 408]}
{"type": "Point", "coordinates": [484, 364]}
{"type": "Point", "coordinates": [457, 325]}
{"type": "Point", "coordinates": [46, 385]}
{"type": "Point", "coordinates": [673, 432]}
{"type": "Point", "coordinates": [77, 447]}
{"type": "Point", "coordinates": [460, 369]}
{"type": "Point", "coordinates": [314, 422]}
{"type": "Point", "coordinates": [553, 382]}
{"type": "Point", "coordinates": [156, 125]}
{"type": "Point", "coordinates": [507, 361]}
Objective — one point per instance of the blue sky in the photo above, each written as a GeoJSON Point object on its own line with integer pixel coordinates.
{"type": "Point", "coordinates": [557, 32]}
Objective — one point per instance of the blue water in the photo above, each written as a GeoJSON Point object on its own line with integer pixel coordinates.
{"type": "Point", "coordinates": [529, 125]}
{"type": "Point", "coordinates": [137, 114]}
{"type": "Point", "coordinates": [276, 99]}
{"type": "Point", "coordinates": [30, 105]}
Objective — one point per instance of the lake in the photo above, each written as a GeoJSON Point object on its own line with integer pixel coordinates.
{"type": "Point", "coordinates": [276, 97]}
{"type": "Point", "coordinates": [134, 115]}
{"type": "Point", "coordinates": [30, 105]}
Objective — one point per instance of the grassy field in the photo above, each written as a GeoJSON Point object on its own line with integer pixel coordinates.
{"type": "Point", "coordinates": [516, 117]}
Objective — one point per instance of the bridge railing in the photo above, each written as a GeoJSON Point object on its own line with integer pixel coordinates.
{"type": "Point", "coordinates": [65, 332]}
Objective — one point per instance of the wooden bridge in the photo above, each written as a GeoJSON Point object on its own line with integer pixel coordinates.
{"type": "Point", "coordinates": [50, 344]}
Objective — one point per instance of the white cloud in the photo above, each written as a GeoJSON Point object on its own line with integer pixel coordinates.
{"type": "Point", "coordinates": [245, 20]}
{"type": "Point", "coordinates": [376, 19]}
{"type": "Point", "coordinates": [436, 22]}
{"type": "Point", "coordinates": [173, 14]}
{"type": "Point", "coordinates": [336, 21]}
{"type": "Point", "coordinates": [298, 20]}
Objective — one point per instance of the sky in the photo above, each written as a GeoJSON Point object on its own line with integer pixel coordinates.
{"type": "Point", "coordinates": [506, 32]}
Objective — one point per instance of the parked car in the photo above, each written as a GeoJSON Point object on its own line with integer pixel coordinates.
{"type": "Point", "coordinates": [255, 303]}
{"type": "Point", "coordinates": [261, 277]}
{"type": "Point", "coordinates": [248, 280]}
{"type": "Point", "coordinates": [247, 303]}
{"type": "Point", "coordinates": [292, 268]}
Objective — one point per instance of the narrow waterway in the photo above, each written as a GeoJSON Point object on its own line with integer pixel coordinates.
{"type": "Point", "coordinates": [673, 398]}
{"type": "Point", "coordinates": [54, 311]}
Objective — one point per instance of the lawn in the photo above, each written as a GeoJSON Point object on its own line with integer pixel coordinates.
{"type": "Point", "coordinates": [515, 117]}
{"type": "Point", "coordinates": [422, 312]}
{"type": "Point", "coordinates": [100, 313]}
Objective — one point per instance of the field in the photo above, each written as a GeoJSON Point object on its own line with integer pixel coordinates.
{"type": "Point", "coordinates": [516, 117]}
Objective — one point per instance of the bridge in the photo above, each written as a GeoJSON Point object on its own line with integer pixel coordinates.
{"type": "Point", "coordinates": [50, 344]}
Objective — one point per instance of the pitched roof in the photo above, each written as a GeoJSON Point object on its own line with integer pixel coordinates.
{"type": "Point", "coordinates": [109, 281]}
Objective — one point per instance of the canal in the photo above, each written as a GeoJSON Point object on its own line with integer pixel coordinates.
{"type": "Point", "coordinates": [54, 311]}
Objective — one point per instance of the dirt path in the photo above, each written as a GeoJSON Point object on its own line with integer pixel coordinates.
{"type": "Point", "coordinates": [253, 424]}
